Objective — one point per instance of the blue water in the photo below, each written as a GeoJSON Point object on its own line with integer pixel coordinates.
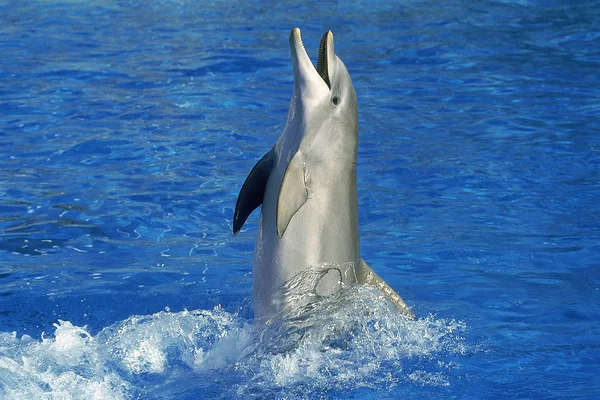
{"type": "Point", "coordinates": [127, 129]}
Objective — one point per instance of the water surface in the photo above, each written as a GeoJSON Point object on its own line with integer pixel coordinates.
{"type": "Point", "coordinates": [127, 129]}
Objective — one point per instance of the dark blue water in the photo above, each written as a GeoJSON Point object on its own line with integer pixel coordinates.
{"type": "Point", "coordinates": [127, 129]}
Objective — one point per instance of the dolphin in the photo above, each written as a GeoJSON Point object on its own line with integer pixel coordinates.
{"type": "Point", "coordinates": [306, 183]}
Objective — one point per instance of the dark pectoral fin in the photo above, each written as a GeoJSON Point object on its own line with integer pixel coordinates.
{"type": "Point", "coordinates": [366, 275]}
{"type": "Point", "coordinates": [253, 190]}
{"type": "Point", "coordinates": [292, 193]}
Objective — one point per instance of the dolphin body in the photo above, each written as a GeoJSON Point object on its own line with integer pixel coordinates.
{"type": "Point", "coordinates": [308, 230]}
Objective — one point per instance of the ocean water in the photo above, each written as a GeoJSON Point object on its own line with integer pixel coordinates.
{"type": "Point", "coordinates": [128, 127]}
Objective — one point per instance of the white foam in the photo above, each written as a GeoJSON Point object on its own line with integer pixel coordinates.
{"type": "Point", "coordinates": [348, 341]}
{"type": "Point", "coordinates": [357, 339]}
{"type": "Point", "coordinates": [68, 366]}
{"type": "Point", "coordinates": [198, 340]}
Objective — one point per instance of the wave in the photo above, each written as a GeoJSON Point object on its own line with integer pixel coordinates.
{"type": "Point", "coordinates": [351, 341]}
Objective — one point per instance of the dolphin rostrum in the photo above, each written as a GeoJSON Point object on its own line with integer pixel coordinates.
{"type": "Point", "coordinates": [307, 187]}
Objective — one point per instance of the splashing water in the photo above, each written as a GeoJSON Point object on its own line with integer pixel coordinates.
{"type": "Point", "coordinates": [352, 340]}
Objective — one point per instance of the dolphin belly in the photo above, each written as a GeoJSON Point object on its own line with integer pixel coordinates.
{"type": "Point", "coordinates": [317, 240]}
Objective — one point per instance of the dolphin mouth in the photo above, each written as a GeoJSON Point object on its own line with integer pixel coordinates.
{"type": "Point", "coordinates": [322, 65]}
{"type": "Point", "coordinates": [304, 69]}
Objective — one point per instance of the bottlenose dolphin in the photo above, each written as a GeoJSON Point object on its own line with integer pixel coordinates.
{"type": "Point", "coordinates": [307, 187]}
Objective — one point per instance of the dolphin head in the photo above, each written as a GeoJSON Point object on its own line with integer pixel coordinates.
{"type": "Point", "coordinates": [324, 101]}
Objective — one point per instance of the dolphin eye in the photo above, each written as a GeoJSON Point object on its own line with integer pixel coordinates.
{"type": "Point", "coordinates": [335, 100]}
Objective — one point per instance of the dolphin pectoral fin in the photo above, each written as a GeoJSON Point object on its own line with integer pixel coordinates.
{"type": "Point", "coordinates": [253, 190]}
{"type": "Point", "coordinates": [292, 193]}
{"type": "Point", "coordinates": [365, 274]}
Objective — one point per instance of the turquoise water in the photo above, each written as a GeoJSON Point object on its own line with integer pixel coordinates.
{"type": "Point", "coordinates": [127, 129]}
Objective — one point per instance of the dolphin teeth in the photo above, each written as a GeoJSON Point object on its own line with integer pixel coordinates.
{"type": "Point", "coordinates": [302, 41]}
{"type": "Point", "coordinates": [322, 67]}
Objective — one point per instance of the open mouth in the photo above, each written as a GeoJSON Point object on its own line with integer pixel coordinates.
{"type": "Point", "coordinates": [304, 69]}
{"type": "Point", "coordinates": [322, 67]}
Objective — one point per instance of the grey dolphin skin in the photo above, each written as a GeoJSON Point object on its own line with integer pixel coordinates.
{"type": "Point", "coordinates": [306, 184]}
